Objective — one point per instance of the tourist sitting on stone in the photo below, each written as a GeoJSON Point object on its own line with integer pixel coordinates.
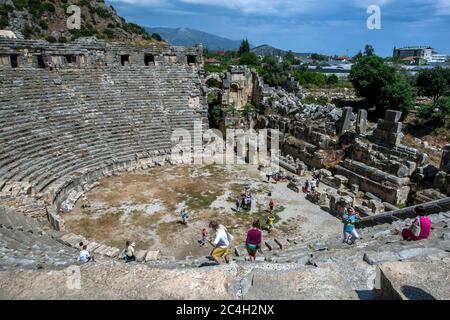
{"type": "Point", "coordinates": [253, 243]}
{"type": "Point", "coordinates": [220, 243]}
{"type": "Point", "coordinates": [50, 66]}
{"type": "Point", "coordinates": [85, 256]}
{"type": "Point", "coordinates": [349, 218]}
{"type": "Point", "coordinates": [184, 216]}
{"type": "Point", "coordinates": [420, 228]}
{"type": "Point", "coordinates": [129, 252]}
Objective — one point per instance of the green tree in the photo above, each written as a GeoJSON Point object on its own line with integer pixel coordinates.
{"type": "Point", "coordinates": [369, 50]}
{"type": "Point", "coordinates": [249, 59]}
{"type": "Point", "coordinates": [244, 48]}
{"type": "Point", "coordinates": [156, 36]}
{"type": "Point", "coordinates": [275, 73]}
{"type": "Point", "coordinates": [319, 57]}
{"type": "Point", "coordinates": [440, 112]}
{"type": "Point", "coordinates": [290, 57]}
{"type": "Point", "coordinates": [216, 115]}
{"type": "Point", "coordinates": [434, 83]}
{"type": "Point", "coordinates": [248, 110]}
{"type": "Point", "coordinates": [333, 79]}
{"type": "Point", "coordinates": [382, 86]}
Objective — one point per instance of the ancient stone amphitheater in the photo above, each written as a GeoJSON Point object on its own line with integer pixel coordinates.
{"type": "Point", "coordinates": [112, 108]}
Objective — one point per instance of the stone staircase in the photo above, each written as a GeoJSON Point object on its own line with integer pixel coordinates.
{"type": "Point", "coordinates": [25, 244]}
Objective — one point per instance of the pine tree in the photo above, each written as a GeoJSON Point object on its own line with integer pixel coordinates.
{"type": "Point", "coordinates": [245, 47]}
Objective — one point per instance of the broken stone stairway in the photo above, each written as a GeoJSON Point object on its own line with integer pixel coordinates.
{"type": "Point", "coordinates": [25, 244]}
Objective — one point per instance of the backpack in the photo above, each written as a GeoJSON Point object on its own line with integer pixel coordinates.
{"type": "Point", "coordinates": [229, 236]}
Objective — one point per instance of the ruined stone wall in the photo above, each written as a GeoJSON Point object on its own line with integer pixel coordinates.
{"type": "Point", "coordinates": [86, 52]}
{"type": "Point", "coordinates": [240, 86]}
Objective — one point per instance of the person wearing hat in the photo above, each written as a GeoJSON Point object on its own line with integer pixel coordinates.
{"type": "Point", "coordinates": [129, 252]}
{"type": "Point", "coordinates": [349, 219]}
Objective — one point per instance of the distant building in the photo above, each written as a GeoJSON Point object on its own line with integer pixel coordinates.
{"type": "Point", "coordinates": [343, 58]}
{"type": "Point", "coordinates": [419, 54]}
{"type": "Point", "coordinates": [213, 62]}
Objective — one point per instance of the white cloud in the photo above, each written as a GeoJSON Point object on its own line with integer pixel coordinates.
{"type": "Point", "coordinates": [262, 7]}
{"type": "Point", "coordinates": [443, 7]}
{"type": "Point", "coordinates": [287, 8]}
{"type": "Point", "coordinates": [154, 3]}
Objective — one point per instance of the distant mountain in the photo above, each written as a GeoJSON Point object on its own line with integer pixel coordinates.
{"type": "Point", "coordinates": [189, 37]}
{"type": "Point", "coordinates": [48, 20]}
{"type": "Point", "coordinates": [267, 50]}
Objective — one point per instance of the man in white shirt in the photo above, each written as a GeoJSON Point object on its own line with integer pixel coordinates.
{"type": "Point", "coordinates": [85, 255]}
{"type": "Point", "coordinates": [220, 243]}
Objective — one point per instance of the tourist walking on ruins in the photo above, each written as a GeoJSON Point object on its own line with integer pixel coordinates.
{"type": "Point", "coordinates": [248, 202]}
{"type": "Point", "coordinates": [420, 228]}
{"type": "Point", "coordinates": [238, 204]}
{"type": "Point", "coordinates": [221, 242]}
{"type": "Point", "coordinates": [313, 185]}
{"type": "Point", "coordinates": [129, 252]}
{"type": "Point", "coordinates": [184, 216]}
{"type": "Point", "coordinates": [349, 218]}
{"type": "Point", "coordinates": [270, 221]}
{"type": "Point", "coordinates": [254, 240]}
{"type": "Point", "coordinates": [271, 205]}
{"type": "Point", "coordinates": [85, 256]}
{"type": "Point", "coordinates": [203, 240]}
{"type": "Point", "coordinates": [307, 186]}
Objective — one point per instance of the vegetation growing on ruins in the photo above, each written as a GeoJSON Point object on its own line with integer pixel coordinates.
{"type": "Point", "coordinates": [434, 83]}
{"type": "Point", "coordinates": [275, 73]}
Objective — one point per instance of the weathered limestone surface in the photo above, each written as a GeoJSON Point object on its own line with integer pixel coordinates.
{"type": "Point", "coordinates": [324, 283]}
{"type": "Point", "coordinates": [117, 280]}
{"type": "Point", "coordinates": [345, 121]}
{"type": "Point", "coordinates": [361, 122]}
{"type": "Point", "coordinates": [388, 187]}
{"type": "Point", "coordinates": [388, 131]}
{"type": "Point", "coordinates": [414, 280]}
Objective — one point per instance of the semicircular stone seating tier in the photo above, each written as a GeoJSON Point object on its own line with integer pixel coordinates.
{"type": "Point", "coordinates": [61, 131]}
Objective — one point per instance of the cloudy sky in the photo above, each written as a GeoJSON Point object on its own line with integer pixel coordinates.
{"type": "Point", "coordinates": [324, 26]}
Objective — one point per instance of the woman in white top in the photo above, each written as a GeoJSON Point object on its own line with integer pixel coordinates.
{"type": "Point", "coordinates": [220, 243]}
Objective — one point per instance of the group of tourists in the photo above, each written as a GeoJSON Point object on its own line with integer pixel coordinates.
{"type": "Point", "coordinates": [85, 255]}
{"type": "Point", "coordinates": [244, 201]}
{"type": "Point", "coordinates": [52, 66]}
{"type": "Point", "coordinates": [275, 176]}
{"type": "Point", "coordinates": [222, 239]}
{"type": "Point", "coordinates": [311, 185]}
{"type": "Point", "coordinates": [418, 230]}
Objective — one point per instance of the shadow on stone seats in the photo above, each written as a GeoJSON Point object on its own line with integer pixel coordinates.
{"type": "Point", "coordinates": [414, 293]}
{"type": "Point", "coordinates": [365, 294]}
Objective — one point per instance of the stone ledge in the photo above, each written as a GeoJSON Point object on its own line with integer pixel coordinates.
{"type": "Point", "coordinates": [413, 281]}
